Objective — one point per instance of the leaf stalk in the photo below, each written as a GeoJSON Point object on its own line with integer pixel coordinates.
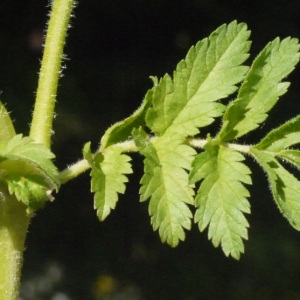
{"type": "Point", "coordinates": [82, 166]}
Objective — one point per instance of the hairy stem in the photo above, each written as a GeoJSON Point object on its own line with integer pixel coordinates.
{"type": "Point", "coordinates": [82, 166]}
{"type": "Point", "coordinates": [74, 170]}
{"type": "Point", "coordinates": [13, 228]}
{"type": "Point", "coordinates": [41, 127]}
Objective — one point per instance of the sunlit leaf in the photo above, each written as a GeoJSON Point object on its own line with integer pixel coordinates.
{"type": "Point", "coordinates": [165, 182]}
{"type": "Point", "coordinates": [261, 89]}
{"type": "Point", "coordinates": [108, 177]}
{"type": "Point", "coordinates": [291, 156]}
{"type": "Point", "coordinates": [285, 187]}
{"type": "Point", "coordinates": [222, 197]}
{"type": "Point", "coordinates": [209, 73]}
{"type": "Point", "coordinates": [121, 131]}
{"type": "Point", "coordinates": [282, 137]}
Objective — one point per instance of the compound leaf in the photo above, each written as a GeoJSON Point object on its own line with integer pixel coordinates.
{"type": "Point", "coordinates": [285, 187]}
{"type": "Point", "coordinates": [176, 109]}
{"type": "Point", "coordinates": [165, 182]}
{"type": "Point", "coordinates": [261, 88]}
{"type": "Point", "coordinates": [209, 73]}
{"type": "Point", "coordinates": [108, 177]}
{"type": "Point", "coordinates": [222, 197]}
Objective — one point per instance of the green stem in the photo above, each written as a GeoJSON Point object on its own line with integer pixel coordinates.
{"type": "Point", "coordinates": [73, 171]}
{"type": "Point", "coordinates": [82, 166]}
{"type": "Point", "coordinates": [41, 127]}
{"type": "Point", "coordinates": [13, 228]}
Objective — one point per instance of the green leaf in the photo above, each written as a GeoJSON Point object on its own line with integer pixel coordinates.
{"type": "Point", "coordinates": [278, 140]}
{"type": "Point", "coordinates": [292, 156]}
{"type": "Point", "coordinates": [27, 169]}
{"type": "Point", "coordinates": [285, 187]}
{"type": "Point", "coordinates": [87, 153]}
{"type": "Point", "coordinates": [108, 177]}
{"type": "Point", "coordinates": [222, 197]}
{"type": "Point", "coordinates": [121, 131]}
{"type": "Point", "coordinates": [261, 88]}
{"type": "Point", "coordinates": [29, 188]}
{"type": "Point", "coordinates": [282, 137]}
{"type": "Point", "coordinates": [209, 73]}
{"type": "Point", "coordinates": [7, 130]}
{"type": "Point", "coordinates": [165, 182]}
{"type": "Point", "coordinates": [37, 155]}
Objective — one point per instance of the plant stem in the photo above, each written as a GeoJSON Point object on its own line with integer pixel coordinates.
{"type": "Point", "coordinates": [82, 166]}
{"type": "Point", "coordinates": [73, 171]}
{"type": "Point", "coordinates": [13, 228]}
{"type": "Point", "coordinates": [41, 127]}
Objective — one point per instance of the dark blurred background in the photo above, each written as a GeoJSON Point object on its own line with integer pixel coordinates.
{"type": "Point", "coordinates": [112, 49]}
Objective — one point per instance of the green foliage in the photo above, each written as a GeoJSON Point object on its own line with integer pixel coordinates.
{"type": "Point", "coordinates": [269, 153]}
{"type": "Point", "coordinates": [187, 177]}
{"type": "Point", "coordinates": [282, 137]}
{"type": "Point", "coordinates": [108, 177]}
{"type": "Point", "coordinates": [285, 187]}
{"type": "Point", "coordinates": [25, 166]}
{"type": "Point", "coordinates": [166, 184]}
{"type": "Point", "coordinates": [28, 171]}
{"type": "Point", "coordinates": [222, 198]}
{"type": "Point", "coordinates": [7, 130]}
{"type": "Point", "coordinates": [261, 88]}
{"type": "Point", "coordinates": [176, 109]}
{"type": "Point", "coordinates": [121, 131]}
{"type": "Point", "coordinates": [209, 73]}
